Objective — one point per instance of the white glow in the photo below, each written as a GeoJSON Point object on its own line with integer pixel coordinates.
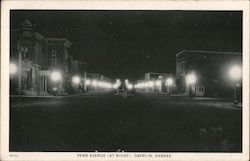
{"type": "Point", "coordinates": [126, 81]}
{"type": "Point", "coordinates": [54, 89]}
{"type": "Point", "coordinates": [235, 72]}
{"type": "Point", "coordinates": [103, 84]}
{"type": "Point", "coordinates": [13, 68]}
{"type": "Point", "coordinates": [129, 86]}
{"type": "Point", "coordinates": [158, 83]}
{"type": "Point", "coordinates": [56, 76]}
{"type": "Point", "coordinates": [169, 81]}
{"type": "Point", "coordinates": [146, 84]}
{"type": "Point", "coordinates": [150, 83]}
{"type": "Point", "coordinates": [118, 81]}
{"type": "Point", "coordinates": [94, 83]}
{"type": "Point", "coordinates": [115, 86]}
{"type": "Point", "coordinates": [76, 80]}
{"type": "Point", "coordinates": [191, 78]}
{"type": "Point", "coordinates": [87, 82]}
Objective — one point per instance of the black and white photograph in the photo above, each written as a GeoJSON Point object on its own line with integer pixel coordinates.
{"type": "Point", "coordinates": [105, 81]}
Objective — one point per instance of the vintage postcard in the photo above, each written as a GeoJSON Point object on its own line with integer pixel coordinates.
{"type": "Point", "coordinates": [124, 80]}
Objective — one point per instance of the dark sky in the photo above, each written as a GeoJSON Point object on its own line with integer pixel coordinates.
{"type": "Point", "coordinates": [129, 43]}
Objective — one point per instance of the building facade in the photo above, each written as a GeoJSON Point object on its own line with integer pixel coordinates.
{"type": "Point", "coordinates": [78, 71]}
{"type": "Point", "coordinates": [59, 60]}
{"type": "Point", "coordinates": [27, 52]}
{"type": "Point", "coordinates": [211, 71]}
{"type": "Point", "coordinates": [36, 58]}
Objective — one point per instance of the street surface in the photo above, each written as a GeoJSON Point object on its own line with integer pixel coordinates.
{"type": "Point", "coordinates": [116, 123]}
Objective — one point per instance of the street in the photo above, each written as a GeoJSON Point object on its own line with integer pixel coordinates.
{"type": "Point", "coordinates": [115, 123]}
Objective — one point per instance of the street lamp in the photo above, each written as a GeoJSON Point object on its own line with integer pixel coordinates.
{"type": "Point", "coordinates": [158, 83]}
{"type": "Point", "coordinates": [126, 81]}
{"type": "Point", "coordinates": [129, 86]}
{"type": "Point", "coordinates": [169, 82]}
{"type": "Point", "coordinates": [56, 76]}
{"type": "Point", "coordinates": [235, 73]}
{"type": "Point", "coordinates": [22, 50]}
{"type": "Point", "coordinates": [87, 82]}
{"type": "Point", "coordinates": [13, 68]}
{"type": "Point", "coordinates": [76, 79]}
{"type": "Point", "coordinates": [191, 80]}
{"type": "Point", "coordinates": [94, 83]}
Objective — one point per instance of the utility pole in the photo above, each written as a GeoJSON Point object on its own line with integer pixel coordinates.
{"type": "Point", "coordinates": [20, 73]}
{"type": "Point", "coordinates": [21, 50]}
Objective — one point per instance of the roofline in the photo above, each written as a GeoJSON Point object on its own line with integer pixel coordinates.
{"type": "Point", "coordinates": [211, 52]}
{"type": "Point", "coordinates": [155, 73]}
{"type": "Point", "coordinates": [66, 41]}
{"type": "Point", "coordinates": [80, 62]}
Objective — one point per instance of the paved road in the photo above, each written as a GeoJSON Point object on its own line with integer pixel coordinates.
{"type": "Point", "coordinates": [114, 123]}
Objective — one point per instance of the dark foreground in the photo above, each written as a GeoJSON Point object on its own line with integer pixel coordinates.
{"type": "Point", "coordinates": [114, 123]}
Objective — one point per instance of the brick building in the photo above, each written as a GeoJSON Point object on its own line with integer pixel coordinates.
{"type": "Point", "coordinates": [59, 59]}
{"type": "Point", "coordinates": [40, 57]}
{"type": "Point", "coordinates": [28, 46]}
{"type": "Point", "coordinates": [211, 69]}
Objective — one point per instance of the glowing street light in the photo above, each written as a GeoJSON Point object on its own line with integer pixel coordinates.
{"type": "Point", "coordinates": [150, 83]}
{"type": "Point", "coordinates": [94, 83]}
{"type": "Point", "coordinates": [13, 68]}
{"type": "Point", "coordinates": [87, 82]}
{"type": "Point", "coordinates": [235, 72]}
{"type": "Point", "coordinates": [56, 76]}
{"type": "Point", "coordinates": [76, 79]}
{"type": "Point", "coordinates": [115, 86]}
{"type": "Point", "coordinates": [191, 78]}
{"type": "Point", "coordinates": [169, 82]}
{"type": "Point", "coordinates": [129, 86]}
{"type": "Point", "coordinates": [158, 83]}
{"type": "Point", "coordinates": [126, 81]}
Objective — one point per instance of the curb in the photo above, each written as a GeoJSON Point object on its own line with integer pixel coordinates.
{"type": "Point", "coordinates": [237, 105]}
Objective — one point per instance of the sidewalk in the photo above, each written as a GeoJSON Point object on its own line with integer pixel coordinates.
{"type": "Point", "coordinates": [238, 105]}
{"type": "Point", "coordinates": [58, 96]}
{"type": "Point", "coordinates": [186, 97]}
{"type": "Point", "coordinates": [31, 96]}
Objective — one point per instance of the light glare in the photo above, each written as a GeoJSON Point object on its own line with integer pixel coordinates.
{"type": "Point", "coordinates": [13, 68]}
{"type": "Point", "coordinates": [235, 72]}
{"type": "Point", "coordinates": [56, 76]}
{"type": "Point", "coordinates": [191, 79]}
{"type": "Point", "coordinates": [76, 80]}
{"type": "Point", "coordinates": [169, 81]}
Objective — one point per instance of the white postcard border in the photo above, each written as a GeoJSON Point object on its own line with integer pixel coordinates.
{"type": "Point", "coordinates": [6, 6]}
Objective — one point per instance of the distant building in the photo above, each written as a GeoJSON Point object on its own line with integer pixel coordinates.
{"type": "Point", "coordinates": [156, 83]}
{"type": "Point", "coordinates": [78, 69]}
{"type": "Point", "coordinates": [211, 69]}
{"type": "Point", "coordinates": [95, 79]}
{"type": "Point", "coordinates": [152, 75]}
{"type": "Point", "coordinates": [93, 76]}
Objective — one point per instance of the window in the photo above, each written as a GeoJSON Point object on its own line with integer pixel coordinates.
{"type": "Point", "coordinates": [66, 54]}
{"type": "Point", "coordinates": [53, 63]}
{"type": "Point", "coordinates": [53, 55]}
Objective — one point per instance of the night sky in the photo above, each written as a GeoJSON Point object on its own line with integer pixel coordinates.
{"type": "Point", "coordinates": [127, 44]}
